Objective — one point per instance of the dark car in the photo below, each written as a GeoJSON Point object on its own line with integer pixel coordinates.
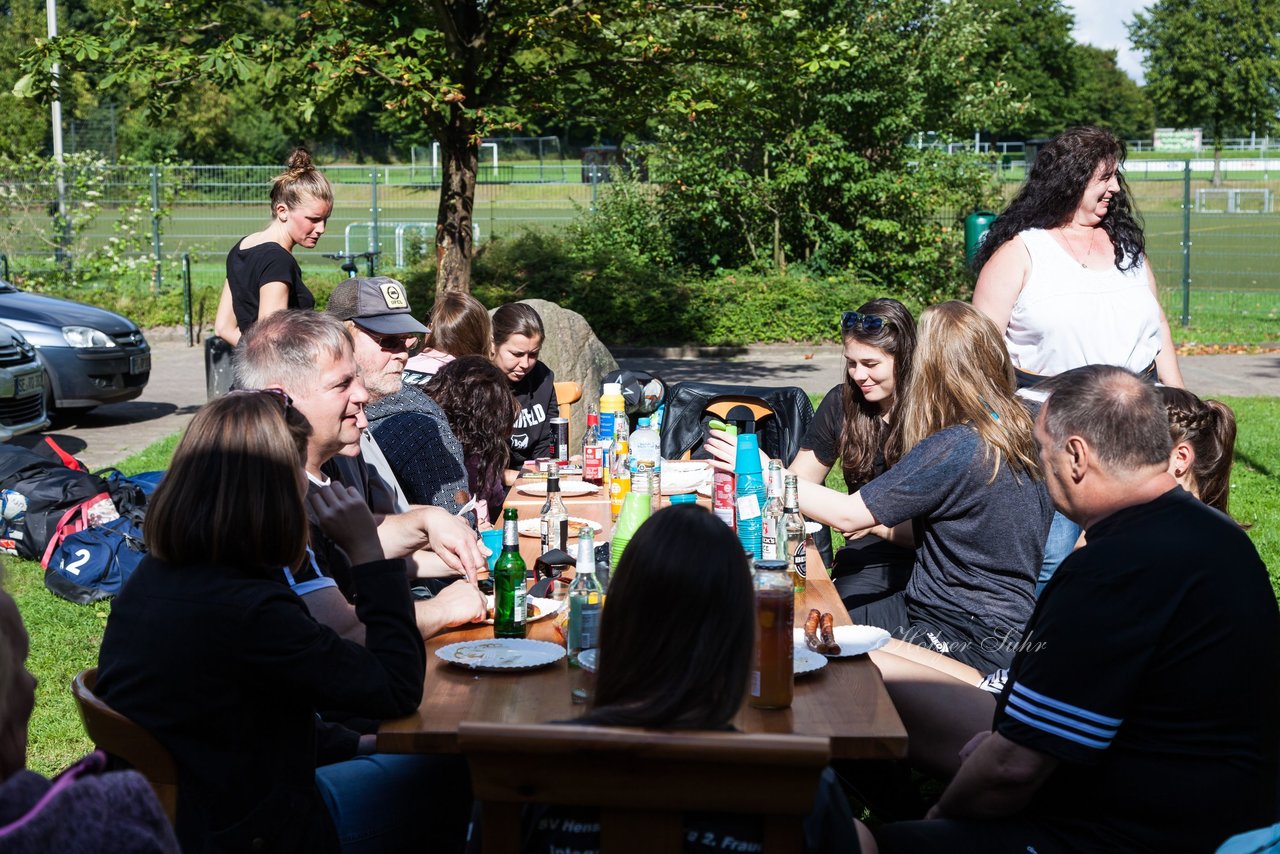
{"type": "Point", "coordinates": [21, 386]}
{"type": "Point", "coordinates": [90, 355]}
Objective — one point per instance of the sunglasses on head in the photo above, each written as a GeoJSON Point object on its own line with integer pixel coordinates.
{"type": "Point", "coordinates": [276, 393]}
{"type": "Point", "coordinates": [869, 322]}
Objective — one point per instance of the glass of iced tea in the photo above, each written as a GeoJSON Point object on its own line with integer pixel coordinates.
{"type": "Point", "coordinates": [771, 672]}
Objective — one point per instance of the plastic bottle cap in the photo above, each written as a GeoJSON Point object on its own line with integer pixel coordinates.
{"type": "Point", "coordinates": [643, 422]}
{"type": "Point", "coordinates": [684, 498]}
{"type": "Point", "coordinates": [613, 388]}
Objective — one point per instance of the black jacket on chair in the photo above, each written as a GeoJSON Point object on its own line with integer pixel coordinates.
{"type": "Point", "coordinates": [226, 669]}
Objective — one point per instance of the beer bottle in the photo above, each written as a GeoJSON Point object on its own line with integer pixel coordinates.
{"type": "Point", "coordinates": [509, 582]}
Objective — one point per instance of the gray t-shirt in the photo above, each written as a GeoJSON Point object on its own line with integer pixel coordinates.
{"type": "Point", "coordinates": [979, 544]}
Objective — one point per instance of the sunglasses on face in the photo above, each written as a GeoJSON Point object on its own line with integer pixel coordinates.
{"type": "Point", "coordinates": [277, 393]}
{"type": "Point", "coordinates": [395, 342]}
{"type": "Point", "coordinates": [869, 322]}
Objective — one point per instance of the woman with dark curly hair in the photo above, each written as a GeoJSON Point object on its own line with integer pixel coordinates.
{"type": "Point", "coordinates": [855, 423]}
{"type": "Point", "coordinates": [477, 399]}
{"type": "Point", "coordinates": [1063, 271]}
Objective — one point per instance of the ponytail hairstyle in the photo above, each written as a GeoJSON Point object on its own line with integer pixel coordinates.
{"type": "Point", "coordinates": [962, 375]}
{"type": "Point", "coordinates": [516, 318]}
{"type": "Point", "coordinates": [861, 434]}
{"type": "Point", "coordinates": [300, 180]}
{"type": "Point", "coordinates": [1209, 427]}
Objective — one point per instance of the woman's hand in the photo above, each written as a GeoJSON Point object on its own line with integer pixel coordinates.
{"type": "Point", "coordinates": [345, 518]}
{"type": "Point", "coordinates": [723, 448]}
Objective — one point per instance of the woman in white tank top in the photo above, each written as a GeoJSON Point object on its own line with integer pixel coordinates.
{"type": "Point", "coordinates": [1063, 270]}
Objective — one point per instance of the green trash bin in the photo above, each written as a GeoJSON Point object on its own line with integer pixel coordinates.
{"type": "Point", "coordinates": [976, 225]}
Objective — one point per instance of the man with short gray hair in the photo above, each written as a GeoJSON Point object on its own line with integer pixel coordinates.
{"type": "Point", "coordinates": [310, 356]}
{"type": "Point", "coordinates": [1142, 711]}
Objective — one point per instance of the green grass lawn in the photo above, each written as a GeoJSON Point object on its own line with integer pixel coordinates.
{"type": "Point", "coordinates": [65, 637]}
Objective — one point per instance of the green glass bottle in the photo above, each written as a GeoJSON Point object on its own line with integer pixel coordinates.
{"type": "Point", "coordinates": [509, 582]}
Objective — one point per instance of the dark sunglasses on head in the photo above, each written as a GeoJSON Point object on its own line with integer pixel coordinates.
{"type": "Point", "coordinates": [869, 322]}
{"type": "Point", "coordinates": [276, 393]}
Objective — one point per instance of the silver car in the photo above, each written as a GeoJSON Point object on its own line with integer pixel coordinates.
{"type": "Point", "coordinates": [22, 391]}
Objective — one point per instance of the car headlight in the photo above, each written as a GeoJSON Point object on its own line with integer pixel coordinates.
{"type": "Point", "coordinates": [86, 336]}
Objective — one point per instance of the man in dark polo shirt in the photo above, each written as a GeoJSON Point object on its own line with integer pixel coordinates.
{"type": "Point", "coordinates": [1142, 710]}
{"type": "Point", "coordinates": [311, 357]}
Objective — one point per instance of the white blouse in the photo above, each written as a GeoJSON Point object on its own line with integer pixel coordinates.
{"type": "Point", "coordinates": [1068, 315]}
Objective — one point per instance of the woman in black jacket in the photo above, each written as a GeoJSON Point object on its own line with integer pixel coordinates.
{"type": "Point", "coordinates": [212, 653]}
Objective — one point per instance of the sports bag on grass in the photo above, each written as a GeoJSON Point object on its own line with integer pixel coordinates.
{"type": "Point", "coordinates": [95, 563]}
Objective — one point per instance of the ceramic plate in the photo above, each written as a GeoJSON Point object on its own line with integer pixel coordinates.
{"type": "Point", "coordinates": [853, 640]}
{"type": "Point", "coordinates": [502, 654]}
{"type": "Point", "coordinates": [807, 661]}
{"type": "Point", "coordinates": [567, 487]}
{"type": "Point", "coordinates": [533, 527]}
{"type": "Point", "coordinates": [546, 607]}
{"type": "Point", "coordinates": [681, 476]}
{"type": "Point", "coordinates": [587, 659]}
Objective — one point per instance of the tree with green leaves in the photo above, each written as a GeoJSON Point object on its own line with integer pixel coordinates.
{"type": "Point", "coordinates": [1108, 97]}
{"type": "Point", "coordinates": [1213, 64]}
{"type": "Point", "coordinates": [1028, 46]}
{"type": "Point", "coordinates": [808, 152]}
{"type": "Point", "coordinates": [463, 69]}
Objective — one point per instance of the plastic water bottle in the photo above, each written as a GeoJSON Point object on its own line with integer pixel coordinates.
{"type": "Point", "coordinates": [750, 494]}
{"type": "Point", "coordinates": [646, 447]}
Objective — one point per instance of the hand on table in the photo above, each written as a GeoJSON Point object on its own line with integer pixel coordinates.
{"type": "Point", "coordinates": [454, 541]}
{"type": "Point", "coordinates": [456, 605]}
{"type": "Point", "coordinates": [345, 518]}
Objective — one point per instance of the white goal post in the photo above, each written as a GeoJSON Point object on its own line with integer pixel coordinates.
{"type": "Point", "coordinates": [1243, 200]}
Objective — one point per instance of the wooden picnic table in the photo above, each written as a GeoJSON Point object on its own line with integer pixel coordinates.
{"type": "Point", "coordinates": [845, 701]}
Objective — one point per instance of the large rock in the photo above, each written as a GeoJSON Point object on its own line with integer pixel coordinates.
{"type": "Point", "coordinates": [574, 353]}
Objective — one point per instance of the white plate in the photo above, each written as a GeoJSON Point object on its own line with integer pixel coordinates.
{"type": "Point", "coordinates": [546, 607]}
{"type": "Point", "coordinates": [853, 640]}
{"type": "Point", "coordinates": [567, 487]}
{"type": "Point", "coordinates": [587, 659]}
{"type": "Point", "coordinates": [501, 654]}
{"type": "Point", "coordinates": [807, 661]}
{"type": "Point", "coordinates": [533, 527]}
{"type": "Point", "coordinates": [705, 490]}
{"type": "Point", "coordinates": [683, 476]}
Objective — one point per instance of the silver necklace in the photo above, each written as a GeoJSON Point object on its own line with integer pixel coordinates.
{"type": "Point", "coordinates": [1074, 252]}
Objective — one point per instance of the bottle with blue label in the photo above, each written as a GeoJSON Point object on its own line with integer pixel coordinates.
{"type": "Point", "coordinates": [750, 493]}
{"type": "Point", "coordinates": [586, 600]}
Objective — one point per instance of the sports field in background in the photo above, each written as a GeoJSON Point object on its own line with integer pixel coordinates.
{"type": "Point", "coordinates": [1234, 269]}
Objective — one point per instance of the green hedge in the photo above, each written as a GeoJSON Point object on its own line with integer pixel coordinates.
{"type": "Point", "coordinates": [634, 303]}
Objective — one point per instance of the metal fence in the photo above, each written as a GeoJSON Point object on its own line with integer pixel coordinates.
{"type": "Point", "coordinates": [1215, 250]}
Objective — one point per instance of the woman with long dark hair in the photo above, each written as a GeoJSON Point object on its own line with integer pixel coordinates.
{"type": "Point", "coordinates": [1063, 272]}
{"type": "Point", "coordinates": [210, 651]}
{"type": "Point", "coordinates": [263, 277]}
{"type": "Point", "coordinates": [688, 670]}
{"type": "Point", "coordinates": [518, 336]}
{"type": "Point", "coordinates": [477, 400]}
{"type": "Point", "coordinates": [856, 424]}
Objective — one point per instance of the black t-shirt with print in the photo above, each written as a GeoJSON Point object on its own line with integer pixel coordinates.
{"type": "Point", "coordinates": [531, 436]}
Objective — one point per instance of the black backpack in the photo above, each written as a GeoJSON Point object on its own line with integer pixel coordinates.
{"type": "Point", "coordinates": [51, 488]}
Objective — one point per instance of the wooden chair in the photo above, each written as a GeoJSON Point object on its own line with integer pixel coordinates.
{"type": "Point", "coordinates": [642, 781]}
{"type": "Point", "coordinates": [567, 394]}
{"type": "Point", "coordinates": [122, 738]}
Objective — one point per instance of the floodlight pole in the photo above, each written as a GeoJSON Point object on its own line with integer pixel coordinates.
{"type": "Point", "coordinates": [51, 16]}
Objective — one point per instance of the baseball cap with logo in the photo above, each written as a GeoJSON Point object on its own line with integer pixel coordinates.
{"type": "Point", "coordinates": [378, 304]}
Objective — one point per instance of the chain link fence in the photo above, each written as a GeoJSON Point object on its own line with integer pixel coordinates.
{"type": "Point", "coordinates": [1215, 250]}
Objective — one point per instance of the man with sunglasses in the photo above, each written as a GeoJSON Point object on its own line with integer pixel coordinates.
{"type": "Point", "coordinates": [312, 357]}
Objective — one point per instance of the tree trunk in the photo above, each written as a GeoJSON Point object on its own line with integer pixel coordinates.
{"type": "Point", "coordinates": [457, 199]}
{"type": "Point", "coordinates": [1217, 164]}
